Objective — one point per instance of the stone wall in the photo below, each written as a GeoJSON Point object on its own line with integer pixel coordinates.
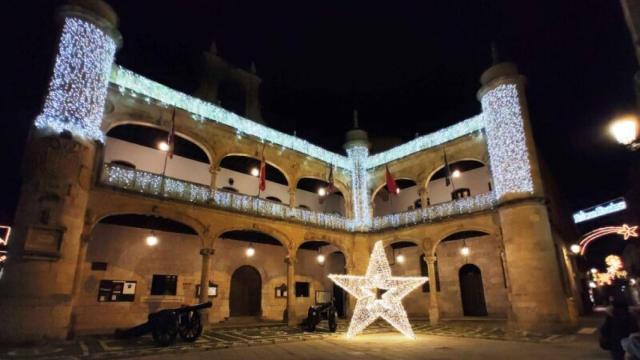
{"type": "Point", "coordinates": [129, 258]}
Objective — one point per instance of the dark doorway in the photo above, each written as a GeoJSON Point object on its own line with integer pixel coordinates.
{"type": "Point", "coordinates": [471, 290]}
{"type": "Point", "coordinates": [246, 289]}
{"type": "Point", "coordinates": [338, 300]}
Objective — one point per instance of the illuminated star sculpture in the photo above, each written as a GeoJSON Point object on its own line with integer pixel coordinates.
{"type": "Point", "coordinates": [625, 230]}
{"type": "Point", "coordinates": [378, 294]}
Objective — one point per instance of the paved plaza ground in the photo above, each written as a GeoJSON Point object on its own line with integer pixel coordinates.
{"type": "Point", "coordinates": [449, 340]}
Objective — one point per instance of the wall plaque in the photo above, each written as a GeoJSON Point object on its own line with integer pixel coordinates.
{"type": "Point", "coordinates": [116, 291]}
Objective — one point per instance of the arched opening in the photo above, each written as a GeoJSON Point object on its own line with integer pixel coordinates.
{"type": "Point", "coordinates": [242, 173]}
{"type": "Point", "coordinates": [141, 146]}
{"type": "Point", "coordinates": [472, 291]}
{"type": "Point", "coordinates": [404, 257]}
{"type": "Point", "coordinates": [315, 194]}
{"type": "Point", "coordinates": [317, 260]}
{"type": "Point", "coordinates": [245, 296]}
{"type": "Point", "coordinates": [385, 203]}
{"type": "Point", "coordinates": [136, 264]}
{"type": "Point", "coordinates": [250, 269]}
{"type": "Point", "coordinates": [464, 178]}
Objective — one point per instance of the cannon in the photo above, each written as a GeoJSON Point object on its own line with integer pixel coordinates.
{"type": "Point", "coordinates": [321, 312]}
{"type": "Point", "coordinates": [166, 325]}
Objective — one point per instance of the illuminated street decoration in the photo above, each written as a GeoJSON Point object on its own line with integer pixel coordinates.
{"type": "Point", "coordinates": [625, 230]}
{"type": "Point", "coordinates": [506, 141]}
{"type": "Point", "coordinates": [4, 242]}
{"type": "Point", "coordinates": [360, 187]}
{"type": "Point", "coordinates": [379, 294]}
{"type": "Point", "coordinates": [615, 270]}
{"type": "Point", "coordinates": [78, 88]}
{"type": "Point", "coordinates": [610, 207]}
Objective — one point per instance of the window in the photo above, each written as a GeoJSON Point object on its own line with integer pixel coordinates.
{"type": "Point", "coordinates": [164, 284]}
{"type": "Point", "coordinates": [99, 266]}
{"type": "Point", "coordinates": [302, 289]}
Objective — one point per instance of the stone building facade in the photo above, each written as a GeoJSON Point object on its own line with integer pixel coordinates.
{"type": "Point", "coordinates": [77, 176]}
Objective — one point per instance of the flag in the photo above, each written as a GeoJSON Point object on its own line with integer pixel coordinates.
{"type": "Point", "coordinates": [392, 187]}
{"type": "Point", "coordinates": [447, 171]}
{"type": "Point", "coordinates": [331, 187]}
{"type": "Point", "coordinates": [263, 173]}
{"type": "Point", "coordinates": [172, 134]}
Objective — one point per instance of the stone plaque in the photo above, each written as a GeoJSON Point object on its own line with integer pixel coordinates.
{"type": "Point", "coordinates": [43, 241]}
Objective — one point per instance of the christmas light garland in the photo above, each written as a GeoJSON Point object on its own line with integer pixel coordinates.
{"type": "Point", "coordinates": [4, 242]}
{"type": "Point", "coordinates": [379, 294]}
{"type": "Point", "coordinates": [78, 88]}
{"type": "Point", "coordinates": [360, 187]}
{"type": "Point", "coordinates": [506, 141]}
{"type": "Point", "coordinates": [625, 230]}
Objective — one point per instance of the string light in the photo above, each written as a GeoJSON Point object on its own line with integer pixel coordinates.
{"type": "Point", "coordinates": [625, 230]}
{"type": "Point", "coordinates": [78, 88]}
{"type": "Point", "coordinates": [600, 210]}
{"type": "Point", "coordinates": [4, 242]}
{"type": "Point", "coordinates": [614, 271]}
{"type": "Point", "coordinates": [379, 294]}
{"type": "Point", "coordinates": [506, 141]}
{"type": "Point", "coordinates": [360, 187]}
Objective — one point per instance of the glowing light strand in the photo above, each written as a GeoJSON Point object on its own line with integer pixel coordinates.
{"type": "Point", "coordinates": [600, 210]}
{"type": "Point", "coordinates": [205, 110]}
{"type": "Point", "coordinates": [506, 141]}
{"type": "Point", "coordinates": [424, 142]}
{"type": "Point", "coordinates": [625, 230]}
{"type": "Point", "coordinates": [360, 187]}
{"type": "Point", "coordinates": [379, 294]}
{"type": "Point", "coordinates": [4, 242]}
{"type": "Point", "coordinates": [151, 184]}
{"type": "Point", "coordinates": [78, 88]}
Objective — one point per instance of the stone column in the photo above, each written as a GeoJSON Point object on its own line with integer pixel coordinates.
{"type": "Point", "coordinates": [434, 311]}
{"type": "Point", "coordinates": [204, 281]}
{"type": "Point", "coordinates": [213, 170]}
{"type": "Point", "coordinates": [291, 290]}
{"type": "Point", "coordinates": [292, 197]}
{"type": "Point", "coordinates": [424, 195]}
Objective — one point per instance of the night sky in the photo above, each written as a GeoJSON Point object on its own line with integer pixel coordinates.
{"type": "Point", "coordinates": [408, 66]}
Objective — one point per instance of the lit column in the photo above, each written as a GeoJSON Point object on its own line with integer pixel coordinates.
{"type": "Point", "coordinates": [362, 215]}
{"type": "Point", "coordinates": [204, 281]}
{"type": "Point", "coordinates": [434, 311]}
{"type": "Point", "coordinates": [536, 292]}
{"type": "Point", "coordinates": [37, 289]}
{"type": "Point", "coordinates": [291, 290]}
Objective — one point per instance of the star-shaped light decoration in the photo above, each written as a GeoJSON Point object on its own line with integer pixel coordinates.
{"type": "Point", "coordinates": [628, 231]}
{"type": "Point", "coordinates": [379, 294]}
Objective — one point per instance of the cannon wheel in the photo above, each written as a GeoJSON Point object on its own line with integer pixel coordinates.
{"type": "Point", "coordinates": [311, 320]}
{"type": "Point", "coordinates": [190, 327]}
{"type": "Point", "coordinates": [165, 330]}
{"type": "Point", "coordinates": [333, 320]}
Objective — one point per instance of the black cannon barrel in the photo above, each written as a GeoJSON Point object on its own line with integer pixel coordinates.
{"type": "Point", "coordinates": [206, 305]}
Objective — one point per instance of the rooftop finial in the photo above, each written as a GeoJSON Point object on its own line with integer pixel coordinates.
{"type": "Point", "coordinates": [355, 118]}
{"type": "Point", "coordinates": [495, 56]}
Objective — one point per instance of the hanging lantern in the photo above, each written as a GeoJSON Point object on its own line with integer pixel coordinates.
{"type": "Point", "coordinates": [250, 251]}
{"type": "Point", "coordinates": [152, 239]}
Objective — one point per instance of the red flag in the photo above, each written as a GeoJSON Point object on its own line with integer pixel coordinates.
{"type": "Point", "coordinates": [172, 133]}
{"type": "Point", "coordinates": [392, 187]}
{"type": "Point", "coordinates": [263, 173]}
{"type": "Point", "coordinates": [331, 187]}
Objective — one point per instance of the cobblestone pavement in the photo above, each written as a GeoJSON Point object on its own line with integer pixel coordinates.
{"type": "Point", "coordinates": [106, 347]}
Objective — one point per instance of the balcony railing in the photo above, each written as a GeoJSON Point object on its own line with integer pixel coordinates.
{"type": "Point", "coordinates": [156, 185]}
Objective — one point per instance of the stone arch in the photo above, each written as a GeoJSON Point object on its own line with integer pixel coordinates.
{"type": "Point", "coordinates": [220, 158]}
{"type": "Point", "coordinates": [338, 243]}
{"type": "Point", "coordinates": [267, 230]}
{"type": "Point", "coordinates": [344, 189]}
{"type": "Point", "coordinates": [380, 186]}
{"type": "Point", "coordinates": [425, 182]}
{"type": "Point", "coordinates": [392, 240]}
{"type": "Point", "coordinates": [176, 216]}
{"type": "Point", "coordinates": [448, 232]}
{"type": "Point", "coordinates": [192, 138]}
